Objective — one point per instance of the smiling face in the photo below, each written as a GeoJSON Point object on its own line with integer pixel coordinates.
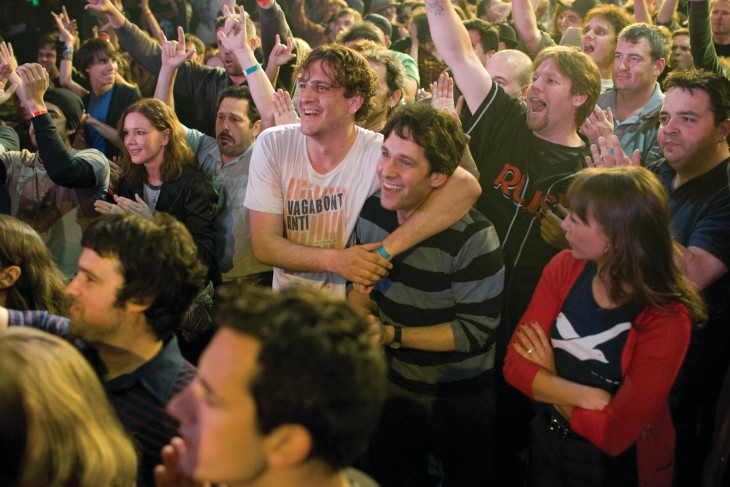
{"type": "Point", "coordinates": [688, 135]}
{"type": "Point", "coordinates": [568, 18]}
{"type": "Point", "coordinates": [323, 108]}
{"type": "Point", "coordinates": [144, 142]}
{"type": "Point", "coordinates": [217, 414]}
{"type": "Point", "coordinates": [403, 172]}
{"type": "Point", "coordinates": [47, 58]}
{"type": "Point", "coordinates": [633, 68]}
{"type": "Point", "coordinates": [587, 239]}
{"type": "Point", "coordinates": [233, 129]}
{"type": "Point", "coordinates": [680, 58]}
{"type": "Point", "coordinates": [599, 41]}
{"type": "Point", "coordinates": [551, 106]}
{"type": "Point", "coordinates": [102, 71]}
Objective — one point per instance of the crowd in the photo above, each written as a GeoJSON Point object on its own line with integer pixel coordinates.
{"type": "Point", "coordinates": [365, 242]}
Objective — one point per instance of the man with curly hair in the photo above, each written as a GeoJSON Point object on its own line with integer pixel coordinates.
{"type": "Point", "coordinates": [308, 182]}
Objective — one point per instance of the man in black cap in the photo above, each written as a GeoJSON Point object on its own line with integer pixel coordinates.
{"type": "Point", "coordinates": [55, 188]}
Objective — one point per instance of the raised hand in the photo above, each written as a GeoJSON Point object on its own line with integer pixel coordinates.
{"type": "Point", "coordinates": [174, 54]}
{"type": "Point", "coordinates": [442, 94]}
{"type": "Point", "coordinates": [598, 124]}
{"type": "Point", "coordinates": [33, 84]}
{"type": "Point", "coordinates": [233, 34]}
{"type": "Point", "coordinates": [613, 155]}
{"type": "Point", "coordinates": [281, 54]}
{"type": "Point", "coordinates": [67, 28]}
{"type": "Point", "coordinates": [284, 112]}
{"type": "Point", "coordinates": [5, 72]}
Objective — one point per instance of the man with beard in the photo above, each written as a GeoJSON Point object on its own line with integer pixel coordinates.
{"type": "Point", "coordinates": [137, 277]}
{"type": "Point", "coordinates": [526, 162]}
{"type": "Point", "coordinates": [226, 158]}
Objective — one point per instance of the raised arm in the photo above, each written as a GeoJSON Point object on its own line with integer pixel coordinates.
{"type": "Point", "coordinates": [525, 21]}
{"type": "Point", "coordinates": [641, 12]}
{"type": "Point", "coordinates": [274, 28]}
{"type": "Point", "coordinates": [452, 42]}
{"type": "Point", "coordinates": [140, 46]}
{"type": "Point", "coordinates": [700, 37]}
{"type": "Point", "coordinates": [148, 17]}
{"type": "Point", "coordinates": [68, 37]}
{"type": "Point", "coordinates": [173, 56]}
{"type": "Point", "coordinates": [61, 166]}
{"type": "Point", "coordinates": [666, 12]}
{"type": "Point", "coordinates": [233, 37]}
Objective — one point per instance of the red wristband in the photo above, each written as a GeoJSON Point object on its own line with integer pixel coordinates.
{"type": "Point", "coordinates": [39, 112]}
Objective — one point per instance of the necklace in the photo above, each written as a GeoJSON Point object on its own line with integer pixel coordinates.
{"type": "Point", "coordinates": [152, 193]}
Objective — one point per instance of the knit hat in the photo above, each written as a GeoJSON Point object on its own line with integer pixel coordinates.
{"type": "Point", "coordinates": [581, 7]}
{"type": "Point", "coordinates": [507, 35]}
{"type": "Point", "coordinates": [69, 103]}
{"type": "Point", "coordinates": [381, 22]}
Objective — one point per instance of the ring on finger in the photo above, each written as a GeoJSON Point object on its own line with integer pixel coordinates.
{"type": "Point", "coordinates": [529, 352]}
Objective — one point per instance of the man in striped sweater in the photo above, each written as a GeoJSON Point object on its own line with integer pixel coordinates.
{"type": "Point", "coordinates": [437, 313]}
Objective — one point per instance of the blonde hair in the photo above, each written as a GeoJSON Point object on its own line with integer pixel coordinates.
{"type": "Point", "coordinates": [62, 421]}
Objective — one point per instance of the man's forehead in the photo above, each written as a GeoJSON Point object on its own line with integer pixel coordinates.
{"type": "Point", "coordinates": [54, 109]}
{"type": "Point", "coordinates": [318, 70]}
{"type": "Point", "coordinates": [231, 104]}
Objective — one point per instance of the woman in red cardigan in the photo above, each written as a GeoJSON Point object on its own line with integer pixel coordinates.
{"type": "Point", "coordinates": [604, 337]}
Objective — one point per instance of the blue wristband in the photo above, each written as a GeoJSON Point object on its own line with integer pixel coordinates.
{"type": "Point", "coordinates": [384, 253]}
{"type": "Point", "coordinates": [252, 69]}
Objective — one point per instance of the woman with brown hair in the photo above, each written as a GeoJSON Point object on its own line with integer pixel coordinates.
{"type": "Point", "coordinates": [604, 337]}
{"type": "Point", "coordinates": [58, 428]}
{"type": "Point", "coordinates": [29, 279]}
{"type": "Point", "coordinates": [159, 174]}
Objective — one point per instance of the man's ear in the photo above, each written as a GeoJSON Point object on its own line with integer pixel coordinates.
{"type": "Point", "coordinates": [256, 129]}
{"type": "Point", "coordinates": [724, 129]}
{"type": "Point", "coordinates": [395, 98]}
{"type": "Point", "coordinates": [438, 179]}
{"type": "Point", "coordinates": [288, 446]}
{"type": "Point", "coordinates": [137, 306]}
{"type": "Point", "coordinates": [9, 276]}
{"type": "Point", "coordinates": [659, 66]}
{"type": "Point", "coordinates": [253, 43]}
{"type": "Point", "coordinates": [355, 103]}
{"type": "Point", "coordinates": [579, 99]}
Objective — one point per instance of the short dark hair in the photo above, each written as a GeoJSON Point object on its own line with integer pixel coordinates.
{"type": "Point", "coordinates": [48, 38]}
{"type": "Point", "coordinates": [195, 41]}
{"type": "Point", "coordinates": [437, 132]}
{"type": "Point", "coordinates": [715, 85]}
{"type": "Point", "coordinates": [317, 367]}
{"type": "Point", "coordinates": [159, 261]}
{"type": "Point", "coordinates": [241, 92]}
{"type": "Point", "coordinates": [395, 73]}
{"type": "Point", "coordinates": [348, 69]}
{"type": "Point", "coordinates": [488, 33]}
{"type": "Point", "coordinates": [362, 30]}
{"type": "Point", "coordinates": [659, 38]}
{"type": "Point", "coordinates": [91, 49]}
{"type": "Point", "coordinates": [684, 31]}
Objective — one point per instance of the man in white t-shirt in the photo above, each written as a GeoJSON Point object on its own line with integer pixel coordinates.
{"type": "Point", "coordinates": [308, 182]}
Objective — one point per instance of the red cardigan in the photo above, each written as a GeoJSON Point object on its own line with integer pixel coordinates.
{"type": "Point", "coordinates": [639, 411]}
